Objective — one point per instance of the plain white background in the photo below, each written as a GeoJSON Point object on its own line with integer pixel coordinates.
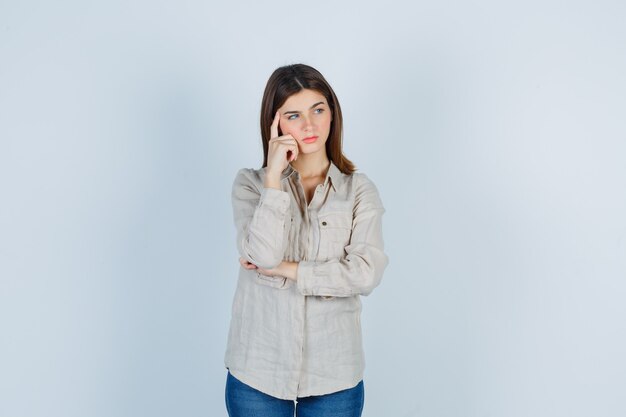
{"type": "Point", "coordinates": [495, 132]}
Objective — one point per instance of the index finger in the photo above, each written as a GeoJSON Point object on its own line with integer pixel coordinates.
{"type": "Point", "coordinates": [274, 127]}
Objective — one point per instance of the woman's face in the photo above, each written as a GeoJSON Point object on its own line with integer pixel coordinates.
{"type": "Point", "coordinates": [304, 115]}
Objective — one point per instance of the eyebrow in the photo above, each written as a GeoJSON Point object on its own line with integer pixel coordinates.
{"type": "Point", "coordinates": [316, 104]}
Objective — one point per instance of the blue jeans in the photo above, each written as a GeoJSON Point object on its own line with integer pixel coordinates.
{"type": "Point", "coordinates": [244, 401]}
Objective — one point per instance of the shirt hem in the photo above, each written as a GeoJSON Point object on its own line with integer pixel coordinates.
{"type": "Point", "coordinates": [253, 383]}
{"type": "Point", "coordinates": [306, 393]}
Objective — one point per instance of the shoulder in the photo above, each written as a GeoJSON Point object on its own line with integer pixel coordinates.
{"type": "Point", "coordinates": [250, 175]}
{"type": "Point", "coordinates": [249, 178]}
{"type": "Point", "coordinates": [363, 182]}
{"type": "Point", "coordinates": [362, 178]}
{"type": "Point", "coordinates": [366, 191]}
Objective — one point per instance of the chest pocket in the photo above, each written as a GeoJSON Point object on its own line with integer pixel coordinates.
{"type": "Point", "coordinates": [335, 232]}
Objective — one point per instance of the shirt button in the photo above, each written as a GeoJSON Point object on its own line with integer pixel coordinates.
{"type": "Point", "coordinates": [324, 223]}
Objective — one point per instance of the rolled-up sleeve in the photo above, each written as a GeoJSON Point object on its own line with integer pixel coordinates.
{"type": "Point", "coordinates": [260, 218]}
{"type": "Point", "coordinates": [360, 270]}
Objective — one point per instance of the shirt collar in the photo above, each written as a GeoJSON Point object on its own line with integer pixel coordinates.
{"type": "Point", "coordinates": [333, 175]}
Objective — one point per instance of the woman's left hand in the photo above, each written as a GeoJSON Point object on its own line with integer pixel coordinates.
{"type": "Point", "coordinates": [284, 269]}
{"type": "Point", "coordinates": [247, 264]}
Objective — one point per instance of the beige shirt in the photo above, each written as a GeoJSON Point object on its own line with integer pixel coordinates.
{"type": "Point", "coordinates": [299, 338]}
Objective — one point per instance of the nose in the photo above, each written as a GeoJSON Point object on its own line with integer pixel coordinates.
{"type": "Point", "coordinates": [307, 124]}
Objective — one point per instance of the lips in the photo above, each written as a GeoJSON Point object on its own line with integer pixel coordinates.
{"type": "Point", "coordinates": [310, 139]}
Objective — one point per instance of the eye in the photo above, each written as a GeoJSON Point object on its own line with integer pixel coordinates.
{"type": "Point", "coordinates": [320, 110]}
{"type": "Point", "coordinates": [290, 117]}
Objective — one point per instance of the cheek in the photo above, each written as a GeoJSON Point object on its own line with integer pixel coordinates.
{"type": "Point", "coordinates": [287, 128]}
{"type": "Point", "coordinates": [327, 121]}
{"type": "Point", "coordinates": [283, 129]}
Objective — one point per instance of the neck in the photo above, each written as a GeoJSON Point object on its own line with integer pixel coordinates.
{"type": "Point", "coordinates": [312, 165]}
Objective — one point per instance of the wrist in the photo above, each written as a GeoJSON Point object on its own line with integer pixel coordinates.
{"type": "Point", "coordinates": [272, 180]}
{"type": "Point", "coordinates": [290, 270]}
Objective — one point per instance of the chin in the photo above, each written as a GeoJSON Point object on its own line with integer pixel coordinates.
{"type": "Point", "coordinates": [308, 150]}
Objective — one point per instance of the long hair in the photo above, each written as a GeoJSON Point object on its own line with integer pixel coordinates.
{"type": "Point", "coordinates": [291, 79]}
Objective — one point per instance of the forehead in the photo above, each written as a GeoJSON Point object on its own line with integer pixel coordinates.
{"type": "Point", "coordinates": [303, 99]}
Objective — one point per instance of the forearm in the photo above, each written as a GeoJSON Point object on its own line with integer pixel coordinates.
{"type": "Point", "coordinates": [357, 273]}
{"type": "Point", "coordinates": [262, 240]}
{"type": "Point", "coordinates": [285, 269]}
{"type": "Point", "coordinates": [290, 270]}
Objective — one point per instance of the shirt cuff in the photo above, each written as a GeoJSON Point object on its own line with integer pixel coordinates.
{"type": "Point", "coordinates": [275, 281]}
{"type": "Point", "coordinates": [311, 277]}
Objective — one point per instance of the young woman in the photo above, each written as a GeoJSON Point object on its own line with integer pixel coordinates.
{"type": "Point", "coordinates": [309, 234]}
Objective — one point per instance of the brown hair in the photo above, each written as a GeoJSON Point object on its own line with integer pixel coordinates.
{"type": "Point", "coordinates": [291, 79]}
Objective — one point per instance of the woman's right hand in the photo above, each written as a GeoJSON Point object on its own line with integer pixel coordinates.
{"type": "Point", "coordinates": [281, 149]}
